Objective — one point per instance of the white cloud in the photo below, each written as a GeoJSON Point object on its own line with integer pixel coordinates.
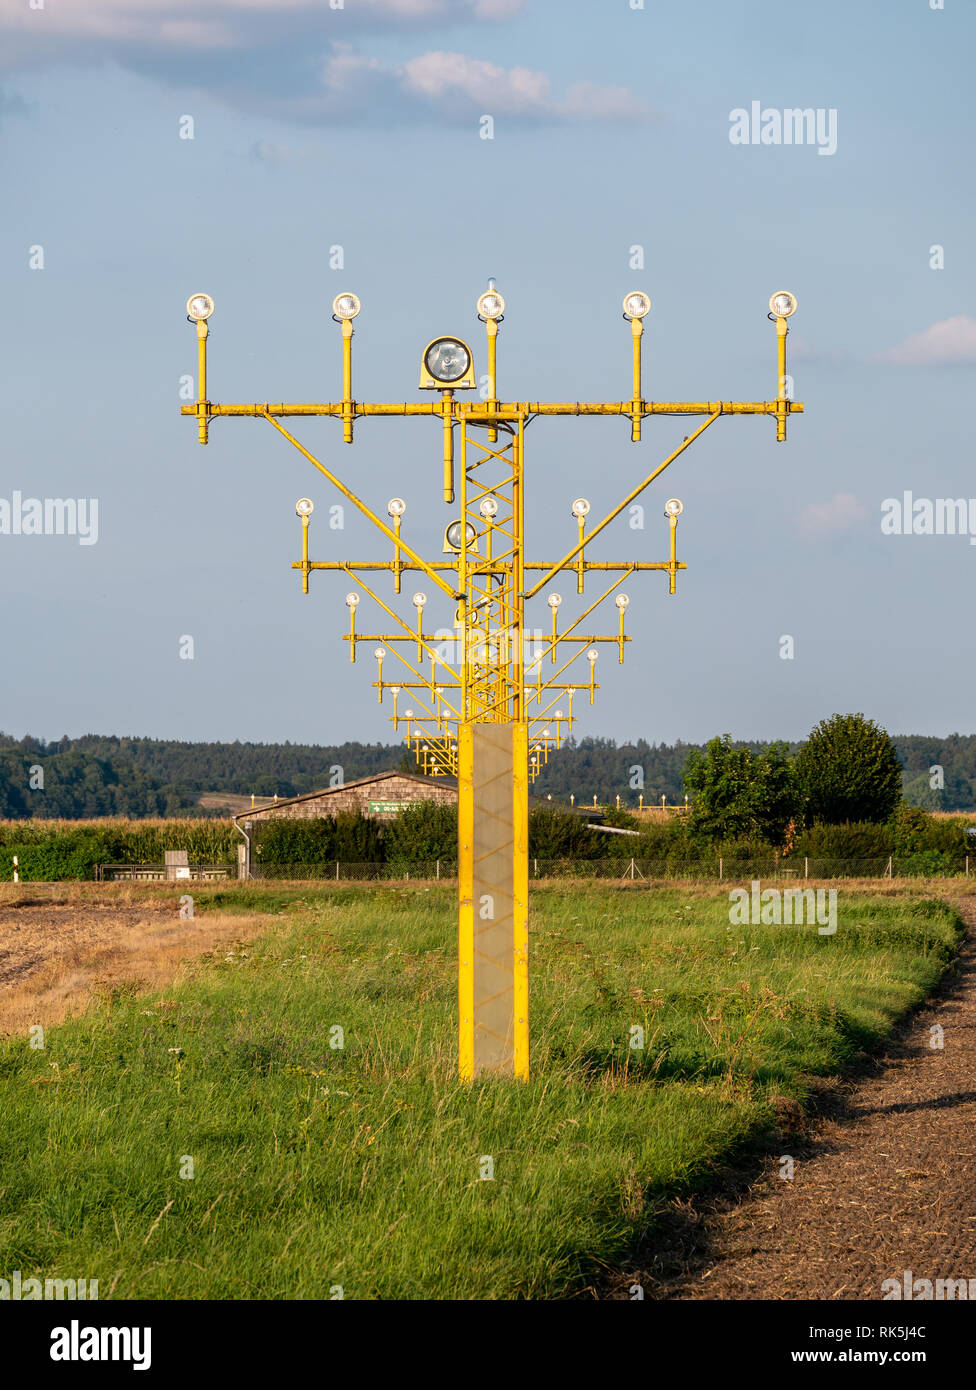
{"type": "Point", "coordinates": [446, 77]}
{"type": "Point", "coordinates": [842, 512]}
{"type": "Point", "coordinates": [454, 87]}
{"type": "Point", "coordinates": [949, 342]}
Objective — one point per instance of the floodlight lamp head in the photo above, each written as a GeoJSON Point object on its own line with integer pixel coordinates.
{"type": "Point", "coordinates": [622, 601]}
{"type": "Point", "coordinates": [637, 305]}
{"type": "Point", "coordinates": [453, 534]}
{"type": "Point", "coordinates": [673, 506]}
{"type": "Point", "coordinates": [199, 307]}
{"type": "Point", "coordinates": [593, 654]}
{"type": "Point", "coordinates": [345, 306]}
{"type": "Point", "coordinates": [352, 600]}
{"type": "Point", "coordinates": [491, 305]}
{"type": "Point", "coordinates": [379, 653]}
{"type": "Point", "coordinates": [447, 364]}
{"type": "Point", "coordinates": [304, 506]}
{"type": "Point", "coordinates": [396, 507]}
{"type": "Point", "coordinates": [782, 304]}
{"type": "Point", "coordinates": [419, 599]}
{"type": "Point", "coordinates": [581, 508]}
{"type": "Point", "coordinates": [408, 714]}
{"type": "Point", "coordinates": [488, 507]}
{"type": "Point", "coordinates": [555, 600]}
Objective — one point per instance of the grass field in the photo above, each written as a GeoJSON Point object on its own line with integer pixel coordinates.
{"type": "Point", "coordinates": [317, 1167]}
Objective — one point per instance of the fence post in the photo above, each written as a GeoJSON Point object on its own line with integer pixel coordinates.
{"type": "Point", "coordinates": [438, 868]}
{"type": "Point", "coordinates": [890, 873]}
{"type": "Point", "coordinates": [337, 871]}
{"type": "Point", "coordinates": [967, 865]}
{"type": "Point", "coordinates": [535, 870]}
{"type": "Point", "coordinates": [632, 868]}
{"type": "Point", "coordinates": [721, 873]}
{"type": "Point", "coordinates": [806, 866]}
{"type": "Point", "coordinates": [16, 874]}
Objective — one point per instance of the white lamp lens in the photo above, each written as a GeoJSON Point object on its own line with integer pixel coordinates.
{"type": "Point", "coordinates": [783, 304]}
{"type": "Point", "coordinates": [345, 306]}
{"type": "Point", "coordinates": [447, 359]}
{"type": "Point", "coordinates": [199, 306]}
{"type": "Point", "coordinates": [419, 599]}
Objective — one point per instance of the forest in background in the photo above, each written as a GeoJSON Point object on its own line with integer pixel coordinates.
{"type": "Point", "coordinates": [140, 777]}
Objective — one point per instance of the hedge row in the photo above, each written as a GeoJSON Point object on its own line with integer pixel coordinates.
{"type": "Point", "coordinates": [427, 831]}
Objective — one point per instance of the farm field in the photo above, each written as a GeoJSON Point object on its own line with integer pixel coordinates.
{"type": "Point", "coordinates": [365, 1167]}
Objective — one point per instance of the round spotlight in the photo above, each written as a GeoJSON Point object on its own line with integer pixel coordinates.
{"type": "Point", "coordinates": [352, 600]}
{"type": "Point", "coordinates": [408, 714]}
{"type": "Point", "coordinates": [199, 307]}
{"type": "Point", "coordinates": [489, 507]}
{"type": "Point", "coordinates": [379, 653]}
{"type": "Point", "coordinates": [396, 506]}
{"type": "Point", "coordinates": [637, 305]}
{"type": "Point", "coordinates": [673, 506]}
{"type": "Point", "coordinates": [581, 507]}
{"type": "Point", "coordinates": [491, 305]}
{"type": "Point", "coordinates": [555, 600]}
{"type": "Point", "coordinates": [453, 534]}
{"type": "Point", "coordinates": [419, 599]}
{"type": "Point", "coordinates": [782, 304]}
{"type": "Point", "coordinates": [304, 506]}
{"type": "Point", "coordinates": [622, 601]}
{"type": "Point", "coordinates": [557, 713]}
{"type": "Point", "coordinates": [447, 360]}
{"type": "Point", "coordinates": [346, 306]}
{"type": "Point", "coordinates": [593, 653]}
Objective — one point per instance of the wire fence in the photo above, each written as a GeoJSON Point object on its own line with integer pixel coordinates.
{"type": "Point", "coordinates": [926, 864]}
{"type": "Point", "coordinates": [634, 869]}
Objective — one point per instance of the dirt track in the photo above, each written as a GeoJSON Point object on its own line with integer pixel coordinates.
{"type": "Point", "coordinates": [58, 953]}
{"type": "Point", "coordinates": [884, 1181]}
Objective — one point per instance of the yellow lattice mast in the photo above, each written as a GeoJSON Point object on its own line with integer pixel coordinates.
{"type": "Point", "coordinates": [482, 697]}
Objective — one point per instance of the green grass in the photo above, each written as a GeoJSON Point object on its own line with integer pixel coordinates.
{"type": "Point", "coordinates": [316, 1167]}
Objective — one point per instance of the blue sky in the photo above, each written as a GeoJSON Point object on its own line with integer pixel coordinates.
{"type": "Point", "coordinates": [360, 127]}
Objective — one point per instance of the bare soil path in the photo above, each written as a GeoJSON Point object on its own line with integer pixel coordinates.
{"type": "Point", "coordinates": [58, 951]}
{"type": "Point", "coordinates": [883, 1182]}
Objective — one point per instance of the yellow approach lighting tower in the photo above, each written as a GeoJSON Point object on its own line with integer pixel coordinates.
{"type": "Point", "coordinates": [483, 697]}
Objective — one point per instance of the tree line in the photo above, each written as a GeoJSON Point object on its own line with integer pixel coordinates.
{"type": "Point", "coordinates": [140, 777]}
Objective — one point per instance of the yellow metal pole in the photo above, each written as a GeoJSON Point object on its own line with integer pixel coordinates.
{"type": "Point", "coordinates": [347, 404]}
{"type": "Point", "coordinates": [203, 422]}
{"type": "Point", "coordinates": [447, 406]}
{"type": "Point", "coordinates": [782, 328]}
{"type": "Point", "coordinates": [520, 899]}
{"type": "Point", "coordinates": [304, 554]}
{"type": "Point", "coordinates": [637, 330]}
{"type": "Point", "coordinates": [492, 326]}
{"type": "Point", "coordinates": [673, 562]}
{"type": "Point", "coordinates": [465, 903]}
{"type": "Point", "coordinates": [397, 562]}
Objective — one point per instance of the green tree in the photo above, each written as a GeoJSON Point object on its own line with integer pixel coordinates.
{"type": "Point", "coordinates": [848, 770]}
{"type": "Point", "coordinates": [739, 793]}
